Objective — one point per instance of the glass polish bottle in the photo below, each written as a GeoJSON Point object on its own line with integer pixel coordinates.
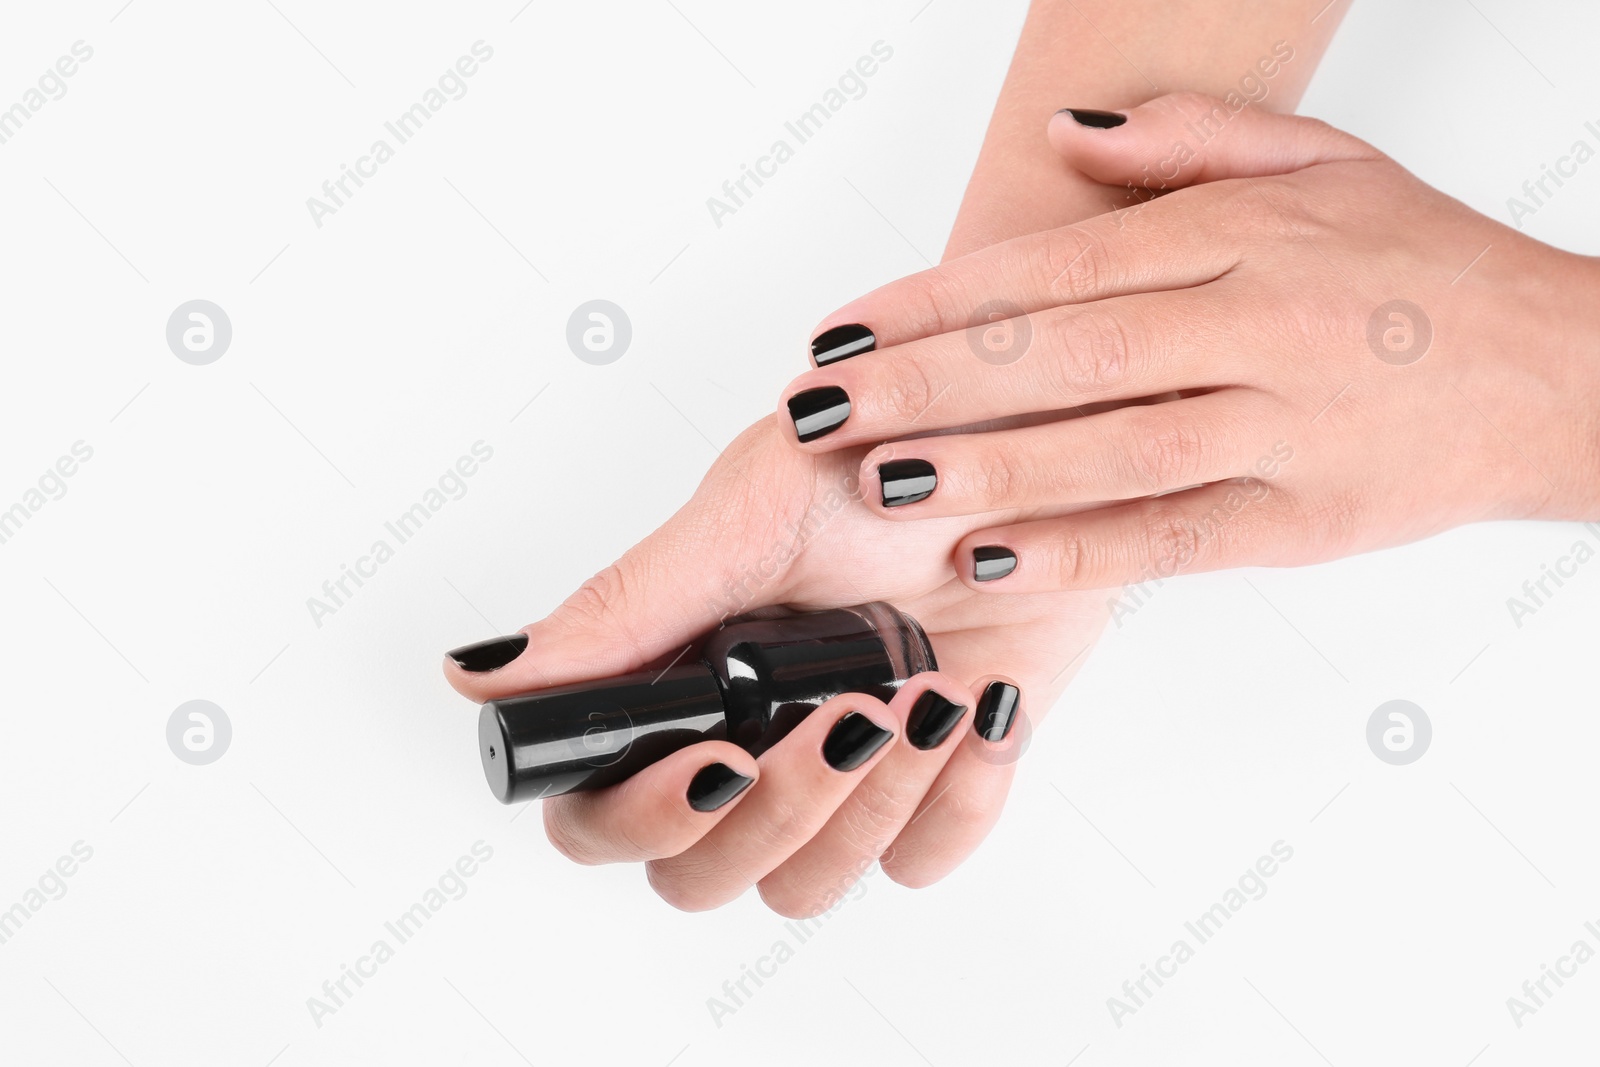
{"type": "Point", "coordinates": [750, 682]}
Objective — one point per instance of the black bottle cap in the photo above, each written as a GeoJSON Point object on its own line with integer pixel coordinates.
{"type": "Point", "coordinates": [594, 734]}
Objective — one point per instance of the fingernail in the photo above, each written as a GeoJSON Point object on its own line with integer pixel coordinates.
{"type": "Point", "coordinates": [906, 481]}
{"type": "Point", "coordinates": [842, 342]}
{"type": "Point", "coordinates": [489, 655]}
{"type": "Point", "coordinates": [715, 785]}
{"type": "Point", "coordinates": [997, 711]}
{"type": "Point", "coordinates": [992, 561]}
{"type": "Point", "coordinates": [819, 412]}
{"type": "Point", "coordinates": [931, 720]}
{"type": "Point", "coordinates": [1099, 120]}
{"type": "Point", "coordinates": [852, 741]}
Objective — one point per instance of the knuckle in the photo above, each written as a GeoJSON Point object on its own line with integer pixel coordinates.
{"type": "Point", "coordinates": [785, 825]}
{"type": "Point", "coordinates": [686, 887]}
{"type": "Point", "coordinates": [909, 391]}
{"type": "Point", "coordinates": [1075, 262]}
{"type": "Point", "coordinates": [869, 820]}
{"type": "Point", "coordinates": [565, 835]}
{"type": "Point", "coordinates": [966, 817]}
{"type": "Point", "coordinates": [1172, 540]}
{"type": "Point", "coordinates": [597, 599]}
{"type": "Point", "coordinates": [997, 481]}
{"type": "Point", "coordinates": [921, 859]}
{"type": "Point", "coordinates": [601, 603]}
{"type": "Point", "coordinates": [795, 901]}
{"type": "Point", "coordinates": [796, 895]}
{"type": "Point", "coordinates": [1169, 455]}
{"type": "Point", "coordinates": [1075, 560]}
{"type": "Point", "coordinates": [578, 842]}
{"type": "Point", "coordinates": [782, 897]}
{"type": "Point", "coordinates": [928, 302]}
{"type": "Point", "coordinates": [1092, 353]}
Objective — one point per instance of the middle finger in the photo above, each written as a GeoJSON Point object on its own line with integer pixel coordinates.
{"type": "Point", "coordinates": [1123, 348]}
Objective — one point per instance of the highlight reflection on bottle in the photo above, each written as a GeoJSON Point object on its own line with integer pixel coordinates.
{"type": "Point", "coordinates": [750, 682]}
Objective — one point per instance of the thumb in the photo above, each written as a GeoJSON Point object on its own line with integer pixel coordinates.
{"type": "Point", "coordinates": [1187, 138]}
{"type": "Point", "coordinates": [641, 611]}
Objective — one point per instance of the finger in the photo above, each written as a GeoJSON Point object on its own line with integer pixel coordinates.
{"type": "Point", "coordinates": [967, 797]}
{"type": "Point", "coordinates": [676, 584]}
{"type": "Point", "coordinates": [1118, 455]}
{"type": "Point", "coordinates": [1175, 248]}
{"type": "Point", "coordinates": [1187, 138]}
{"type": "Point", "coordinates": [1058, 359]}
{"type": "Point", "coordinates": [804, 779]}
{"type": "Point", "coordinates": [1246, 521]}
{"type": "Point", "coordinates": [935, 710]}
{"type": "Point", "coordinates": [660, 811]}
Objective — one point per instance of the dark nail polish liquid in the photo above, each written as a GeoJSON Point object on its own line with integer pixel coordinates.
{"type": "Point", "coordinates": [750, 682]}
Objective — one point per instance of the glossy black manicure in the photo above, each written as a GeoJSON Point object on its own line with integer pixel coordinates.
{"type": "Point", "coordinates": [852, 741]}
{"type": "Point", "coordinates": [931, 720]}
{"type": "Point", "coordinates": [819, 412]}
{"type": "Point", "coordinates": [906, 481]}
{"type": "Point", "coordinates": [489, 655]}
{"type": "Point", "coordinates": [1099, 120]}
{"type": "Point", "coordinates": [715, 785]}
{"type": "Point", "coordinates": [842, 342]}
{"type": "Point", "coordinates": [997, 710]}
{"type": "Point", "coordinates": [992, 561]}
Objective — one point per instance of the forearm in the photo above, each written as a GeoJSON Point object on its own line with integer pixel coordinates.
{"type": "Point", "coordinates": [1113, 54]}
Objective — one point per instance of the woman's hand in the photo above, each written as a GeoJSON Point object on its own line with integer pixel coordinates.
{"type": "Point", "coordinates": [772, 525]}
{"type": "Point", "coordinates": [1345, 358]}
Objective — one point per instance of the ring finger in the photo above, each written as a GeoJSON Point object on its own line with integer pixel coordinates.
{"type": "Point", "coordinates": [1117, 455]}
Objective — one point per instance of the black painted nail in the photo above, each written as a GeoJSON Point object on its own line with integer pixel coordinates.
{"type": "Point", "coordinates": [716, 785]}
{"type": "Point", "coordinates": [1099, 120]}
{"type": "Point", "coordinates": [852, 741]}
{"type": "Point", "coordinates": [489, 655]}
{"type": "Point", "coordinates": [819, 412]}
{"type": "Point", "coordinates": [906, 481]}
{"type": "Point", "coordinates": [997, 710]}
{"type": "Point", "coordinates": [931, 720]}
{"type": "Point", "coordinates": [842, 342]}
{"type": "Point", "coordinates": [992, 561]}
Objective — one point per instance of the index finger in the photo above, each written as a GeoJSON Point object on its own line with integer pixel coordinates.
{"type": "Point", "coordinates": [1184, 239]}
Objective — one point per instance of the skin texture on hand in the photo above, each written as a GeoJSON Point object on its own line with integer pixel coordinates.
{"type": "Point", "coordinates": [771, 525]}
{"type": "Point", "coordinates": [1352, 360]}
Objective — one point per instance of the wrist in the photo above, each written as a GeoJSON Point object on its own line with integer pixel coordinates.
{"type": "Point", "coordinates": [1587, 355]}
{"type": "Point", "coordinates": [1572, 476]}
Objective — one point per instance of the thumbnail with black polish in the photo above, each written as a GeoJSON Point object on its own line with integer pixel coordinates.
{"type": "Point", "coordinates": [852, 741]}
{"type": "Point", "coordinates": [932, 718]}
{"type": "Point", "coordinates": [992, 561]}
{"type": "Point", "coordinates": [997, 710]}
{"type": "Point", "coordinates": [489, 655]}
{"type": "Point", "coordinates": [715, 785]}
{"type": "Point", "coordinates": [818, 412]}
{"type": "Point", "coordinates": [842, 342]}
{"type": "Point", "coordinates": [1099, 120]}
{"type": "Point", "coordinates": [906, 481]}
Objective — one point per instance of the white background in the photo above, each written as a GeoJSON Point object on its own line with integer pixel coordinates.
{"type": "Point", "coordinates": [370, 353]}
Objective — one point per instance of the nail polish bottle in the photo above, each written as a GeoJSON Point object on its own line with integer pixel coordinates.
{"type": "Point", "coordinates": [749, 682]}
